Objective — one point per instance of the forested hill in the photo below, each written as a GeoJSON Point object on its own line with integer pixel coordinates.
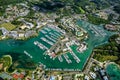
{"type": "Point", "coordinates": [7, 2]}
{"type": "Point", "coordinates": [97, 4]}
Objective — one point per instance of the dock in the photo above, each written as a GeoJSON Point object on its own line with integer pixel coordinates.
{"type": "Point", "coordinates": [47, 29]}
{"type": "Point", "coordinates": [42, 31]}
{"type": "Point", "coordinates": [47, 41]}
{"type": "Point", "coordinates": [40, 45]}
{"type": "Point", "coordinates": [28, 54]}
{"type": "Point", "coordinates": [75, 57]}
{"type": "Point", "coordinates": [60, 58]}
{"type": "Point", "coordinates": [67, 59]}
{"type": "Point", "coordinates": [50, 38]}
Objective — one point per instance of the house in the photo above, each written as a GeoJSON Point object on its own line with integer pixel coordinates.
{"type": "Point", "coordinates": [6, 76]}
{"type": "Point", "coordinates": [13, 34]}
{"type": "Point", "coordinates": [23, 27]}
{"type": "Point", "coordinates": [105, 78]}
{"type": "Point", "coordinates": [102, 15]}
{"type": "Point", "coordinates": [110, 27]}
{"type": "Point", "coordinates": [78, 76]}
{"type": "Point", "coordinates": [117, 40]}
{"type": "Point", "coordinates": [4, 31]}
{"type": "Point", "coordinates": [18, 75]}
{"type": "Point", "coordinates": [93, 75]}
{"type": "Point", "coordinates": [87, 77]}
{"type": "Point", "coordinates": [21, 34]}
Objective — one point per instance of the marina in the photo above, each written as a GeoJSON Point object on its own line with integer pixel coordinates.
{"type": "Point", "coordinates": [71, 61]}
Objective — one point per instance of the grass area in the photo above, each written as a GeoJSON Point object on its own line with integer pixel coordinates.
{"type": "Point", "coordinates": [8, 26]}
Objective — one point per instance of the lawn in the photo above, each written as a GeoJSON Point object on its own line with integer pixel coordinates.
{"type": "Point", "coordinates": [8, 26]}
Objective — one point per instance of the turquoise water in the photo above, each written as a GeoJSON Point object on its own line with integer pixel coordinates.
{"type": "Point", "coordinates": [113, 70]}
{"type": "Point", "coordinates": [37, 53]}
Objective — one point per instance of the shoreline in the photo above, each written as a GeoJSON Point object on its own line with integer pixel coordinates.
{"type": "Point", "coordinates": [109, 63]}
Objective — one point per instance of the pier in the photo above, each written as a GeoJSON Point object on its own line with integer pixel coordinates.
{"type": "Point", "coordinates": [28, 54]}
{"type": "Point", "coordinates": [67, 59]}
{"type": "Point", "coordinates": [50, 38]}
{"type": "Point", "coordinates": [40, 45]}
{"type": "Point", "coordinates": [75, 57]}
{"type": "Point", "coordinates": [42, 31]}
{"type": "Point", "coordinates": [47, 41]}
{"type": "Point", "coordinates": [60, 58]}
{"type": "Point", "coordinates": [47, 29]}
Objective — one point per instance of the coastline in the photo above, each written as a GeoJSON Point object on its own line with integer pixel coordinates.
{"type": "Point", "coordinates": [109, 63]}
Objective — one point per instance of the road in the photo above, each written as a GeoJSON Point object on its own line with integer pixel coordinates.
{"type": "Point", "coordinates": [90, 62]}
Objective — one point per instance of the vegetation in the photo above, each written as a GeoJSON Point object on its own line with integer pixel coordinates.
{"type": "Point", "coordinates": [2, 10]}
{"type": "Point", "coordinates": [30, 14]}
{"type": "Point", "coordinates": [15, 22]}
{"type": "Point", "coordinates": [0, 32]}
{"type": "Point", "coordinates": [6, 61]}
{"type": "Point", "coordinates": [7, 2]}
{"type": "Point", "coordinates": [109, 51]}
{"type": "Point", "coordinates": [8, 26]}
{"type": "Point", "coordinates": [110, 17]}
{"type": "Point", "coordinates": [118, 18]}
{"type": "Point", "coordinates": [96, 20]}
{"type": "Point", "coordinates": [117, 9]}
{"type": "Point", "coordinates": [78, 9]}
{"type": "Point", "coordinates": [78, 6]}
{"type": "Point", "coordinates": [100, 4]}
{"type": "Point", "coordinates": [20, 61]}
